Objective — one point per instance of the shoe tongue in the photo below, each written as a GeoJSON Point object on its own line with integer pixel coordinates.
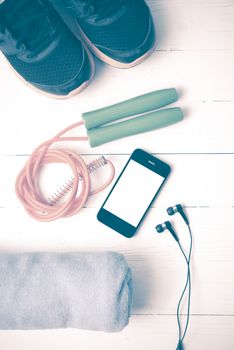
{"type": "Point", "coordinates": [97, 10]}
{"type": "Point", "coordinates": [15, 26]}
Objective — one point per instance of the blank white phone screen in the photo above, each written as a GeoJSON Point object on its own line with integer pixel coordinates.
{"type": "Point", "coordinates": [133, 193]}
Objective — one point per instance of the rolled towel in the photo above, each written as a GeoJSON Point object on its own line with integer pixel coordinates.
{"type": "Point", "coordinates": [76, 290]}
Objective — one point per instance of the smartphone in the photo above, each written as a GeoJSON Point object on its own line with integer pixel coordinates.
{"type": "Point", "coordinates": [133, 193]}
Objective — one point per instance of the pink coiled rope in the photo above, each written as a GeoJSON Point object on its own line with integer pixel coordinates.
{"type": "Point", "coordinates": [27, 189]}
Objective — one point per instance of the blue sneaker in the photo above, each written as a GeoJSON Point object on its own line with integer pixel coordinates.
{"type": "Point", "coordinates": [119, 32]}
{"type": "Point", "coordinates": [41, 49]}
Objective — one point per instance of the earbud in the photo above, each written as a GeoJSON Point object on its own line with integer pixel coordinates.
{"type": "Point", "coordinates": [167, 226]}
{"type": "Point", "coordinates": [178, 209]}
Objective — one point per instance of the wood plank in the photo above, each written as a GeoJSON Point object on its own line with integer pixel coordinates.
{"type": "Point", "coordinates": [157, 264]}
{"type": "Point", "coordinates": [208, 107]}
{"type": "Point", "coordinates": [149, 332]}
{"type": "Point", "coordinates": [197, 180]}
{"type": "Point", "coordinates": [193, 25]}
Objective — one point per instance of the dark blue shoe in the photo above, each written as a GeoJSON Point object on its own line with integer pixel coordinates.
{"type": "Point", "coordinates": [119, 32]}
{"type": "Point", "coordinates": [41, 49]}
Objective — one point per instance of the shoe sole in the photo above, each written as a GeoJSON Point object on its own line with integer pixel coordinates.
{"type": "Point", "coordinates": [54, 96]}
{"type": "Point", "coordinates": [103, 57]}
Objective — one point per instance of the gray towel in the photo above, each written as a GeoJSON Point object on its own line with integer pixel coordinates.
{"type": "Point", "coordinates": [78, 290]}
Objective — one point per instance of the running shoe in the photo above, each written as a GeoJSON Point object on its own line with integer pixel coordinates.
{"type": "Point", "coordinates": [119, 32]}
{"type": "Point", "coordinates": [42, 50]}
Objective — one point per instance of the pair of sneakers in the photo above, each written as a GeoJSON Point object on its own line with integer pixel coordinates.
{"type": "Point", "coordinates": [48, 42]}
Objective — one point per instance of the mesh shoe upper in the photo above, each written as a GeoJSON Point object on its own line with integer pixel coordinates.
{"type": "Point", "coordinates": [41, 48]}
{"type": "Point", "coordinates": [57, 68]}
{"type": "Point", "coordinates": [122, 29]}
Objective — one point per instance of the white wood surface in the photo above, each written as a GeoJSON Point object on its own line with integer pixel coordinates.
{"type": "Point", "coordinates": [195, 53]}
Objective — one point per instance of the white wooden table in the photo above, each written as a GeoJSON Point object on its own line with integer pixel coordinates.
{"type": "Point", "coordinates": [195, 54]}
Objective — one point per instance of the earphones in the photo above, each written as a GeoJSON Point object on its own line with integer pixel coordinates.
{"type": "Point", "coordinates": [168, 226]}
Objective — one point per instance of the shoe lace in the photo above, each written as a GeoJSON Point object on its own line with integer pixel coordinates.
{"type": "Point", "coordinates": [30, 25]}
{"type": "Point", "coordinates": [102, 8]}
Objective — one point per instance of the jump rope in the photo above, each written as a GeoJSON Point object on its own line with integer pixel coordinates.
{"type": "Point", "coordinates": [142, 116]}
{"type": "Point", "coordinates": [28, 190]}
